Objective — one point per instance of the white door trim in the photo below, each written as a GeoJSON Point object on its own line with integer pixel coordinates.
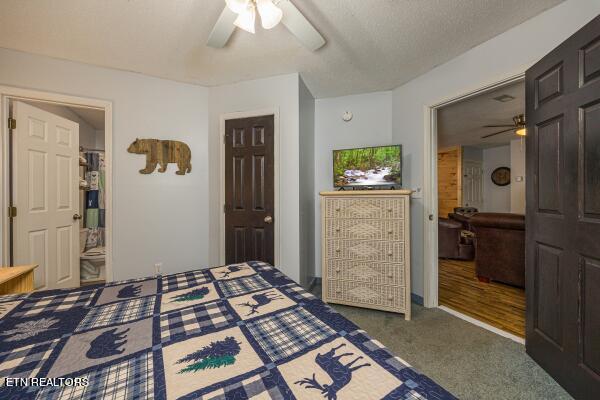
{"type": "Point", "coordinates": [430, 198]}
{"type": "Point", "coordinates": [8, 93]}
{"type": "Point", "coordinates": [247, 114]}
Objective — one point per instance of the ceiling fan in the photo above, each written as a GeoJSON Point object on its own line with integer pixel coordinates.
{"type": "Point", "coordinates": [242, 14]}
{"type": "Point", "coordinates": [518, 127]}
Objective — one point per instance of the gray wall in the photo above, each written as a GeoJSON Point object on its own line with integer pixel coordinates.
{"type": "Point", "coordinates": [307, 184]}
{"type": "Point", "coordinates": [371, 126]}
{"type": "Point", "coordinates": [504, 56]}
{"type": "Point", "coordinates": [157, 217]}
{"type": "Point", "coordinates": [495, 198]}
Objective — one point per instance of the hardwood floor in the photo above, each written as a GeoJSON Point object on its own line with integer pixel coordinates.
{"type": "Point", "coordinates": [494, 303]}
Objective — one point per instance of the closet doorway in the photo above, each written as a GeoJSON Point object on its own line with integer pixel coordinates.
{"type": "Point", "coordinates": [57, 189]}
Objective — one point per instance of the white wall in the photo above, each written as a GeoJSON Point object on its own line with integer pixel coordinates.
{"type": "Point", "coordinates": [281, 93]}
{"type": "Point", "coordinates": [371, 126]}
{"type": "Point", "coordinates": [506, 55]}
{"type": "Point", "coordinates": [146, 227]}
{"type": "Point", "coordinates": [517, 170]}
{"type": "Point", "coordinates": [495, 198]}
{"type": "Point", "coordinates": [307, 184]}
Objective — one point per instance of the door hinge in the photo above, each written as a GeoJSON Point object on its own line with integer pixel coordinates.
{"type": "Point", "coordinates": [12, 123]}
{"type": "Point", "coordinates": [224, 208]}
{"type": "Point", "coordinates": [12, 212]}
{"type": "Point", "coordinates": [225, 138]}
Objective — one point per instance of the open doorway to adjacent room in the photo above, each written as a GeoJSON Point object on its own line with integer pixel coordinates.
{"type": "Point", "coordinates": [481, 207]}
{"type": "Point", "coordinates": [57, 188]}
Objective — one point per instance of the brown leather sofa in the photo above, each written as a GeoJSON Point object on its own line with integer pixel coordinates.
{"type": "Point", "coordinates": [500, 247]}
{"type": "Point", "coordinates": [450, 243]}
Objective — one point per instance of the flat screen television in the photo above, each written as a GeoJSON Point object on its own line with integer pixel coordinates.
{"type": "Point", "coordinates": [368, 166]}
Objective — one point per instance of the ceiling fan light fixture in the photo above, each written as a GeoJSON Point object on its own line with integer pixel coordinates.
{"type": "Point", "coordinates": [521, 132]}
{"type": "Point", "coordinates": [270, 14]}
{"type": "Point", "coordinates": [246, 19]}
{"type": "Point", "coordinates": [237, 6]}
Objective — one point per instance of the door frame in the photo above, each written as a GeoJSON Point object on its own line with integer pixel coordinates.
{"type": "Point", "coordinates": [8, 93]}
{"type": "Point", "coordinates": [248, 114]}
{"type": "Point", "coordinates": [430, 195]}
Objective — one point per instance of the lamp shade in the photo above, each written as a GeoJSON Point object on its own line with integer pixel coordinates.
{"type": "Point", "coordinates": [237, 6]}
{"type": "Point", "coordinates": [246, 19]}
{"type": "Point", "coordinates": [270, 14]}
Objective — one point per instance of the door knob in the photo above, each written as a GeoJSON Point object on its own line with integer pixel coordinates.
{"type": "Point", "coordinates": [268, 219]}
{"type": "Point", "coordinates": [76, 217]}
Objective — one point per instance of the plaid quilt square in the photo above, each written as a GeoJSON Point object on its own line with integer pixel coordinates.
{"type": "Point", "coordinates": [128, 379]}
{"type": "Point", "coordinates": [193, 320]}
{"type": "Point", "coordinates": [288, 333]}
{"type": "Point", "coordinates": [243, 285]}
{"type": "Point", "coordinates": [297, 292]}
{"type": "Point", "coordinates": [63, 302]}
{"type": "Point", "coordinates": [118, 313]}
{"type": "Point", "coordinates": [25, 361]}
{"type": "Point", "coordinates": [263, 385]}
{"type": "Point", "coordinates": [184, 280]}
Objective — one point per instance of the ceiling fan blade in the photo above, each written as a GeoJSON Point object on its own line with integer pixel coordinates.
{"type": "Point", "coordinates": [300, 26]}
{"type": "Point", "coordinates": [223, 29]}
{"type": "Point", "coordinates": [498, 126]}
{"type": "Point", "coordinates": [497, 133]}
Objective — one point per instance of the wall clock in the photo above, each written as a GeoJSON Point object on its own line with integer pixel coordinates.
{"type": "Point", "coordinates": [501, 176]}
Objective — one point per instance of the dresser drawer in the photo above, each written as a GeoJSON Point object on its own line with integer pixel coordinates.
{"type": "Point", "coordinates": [366, 271]}
{"type": "Point", "coordinates": [365, 250]}
{"type": "Point", "coordinates": [379, 229]}
{"type": "Point", "coordinates": [366, 294]}
{"type": "Point", "coordinates": [373, 208]}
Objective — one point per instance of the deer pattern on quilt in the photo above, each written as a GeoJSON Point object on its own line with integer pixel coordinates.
{"type": "Point", "coordinates": [129, 291]}
{"type": "Point", "coordinates": [260, 299]}
{"type": "Point", "coordinates": [231, 270]}
{"type": "Point", "coordinates": [340, 374]}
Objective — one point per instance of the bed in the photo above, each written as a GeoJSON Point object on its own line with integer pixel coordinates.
{"type": "Point", "coordinates": [232, 332]}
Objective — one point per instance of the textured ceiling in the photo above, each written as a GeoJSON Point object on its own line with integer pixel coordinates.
{"type": "Point", "coordinates": [372, 45]}
{"type": "Point", "coordinates": [462, 123]}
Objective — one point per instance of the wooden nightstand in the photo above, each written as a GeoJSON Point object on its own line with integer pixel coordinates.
{"type": "Point", "coordinates": [17, 279]}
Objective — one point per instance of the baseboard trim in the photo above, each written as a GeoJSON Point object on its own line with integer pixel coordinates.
{"type": "Point", "coordinates": [483, 325]}
{"type": "Point", "coordinates": [314, 282]}
{"type": "Point", "coordinates": [415, 298]}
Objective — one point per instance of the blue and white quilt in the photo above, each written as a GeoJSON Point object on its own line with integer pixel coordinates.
{"type": "Point", "coordinates": [239, 331]}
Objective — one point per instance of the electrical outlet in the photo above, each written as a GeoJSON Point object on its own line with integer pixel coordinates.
{"type": "Point", "coordinates": [157, 269]}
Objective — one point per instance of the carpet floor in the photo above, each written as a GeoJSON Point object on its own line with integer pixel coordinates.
{"type": "Point", "coordinates": [469, 361]}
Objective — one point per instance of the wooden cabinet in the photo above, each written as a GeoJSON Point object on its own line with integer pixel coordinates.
{"type": "Point", "coordinates": [366, 249]}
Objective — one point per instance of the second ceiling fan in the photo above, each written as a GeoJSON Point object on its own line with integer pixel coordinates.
{"type": "Point", "coordinates": [518, 126]}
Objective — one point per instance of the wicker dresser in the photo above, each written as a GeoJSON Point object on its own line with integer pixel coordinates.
{"type": "Point", "coordinates": [366, 249]}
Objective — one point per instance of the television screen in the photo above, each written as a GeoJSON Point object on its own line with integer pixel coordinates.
{"type": "Point", "coordinates": [368, 166]}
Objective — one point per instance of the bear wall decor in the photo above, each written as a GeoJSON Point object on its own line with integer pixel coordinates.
{"type": "Point", "coordinates": [163, 152]}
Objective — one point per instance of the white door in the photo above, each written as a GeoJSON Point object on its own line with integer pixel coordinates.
{"type": "Point", "coordinates": [46, 194]}
{"type": "Point", "coordinates": [472, 184]}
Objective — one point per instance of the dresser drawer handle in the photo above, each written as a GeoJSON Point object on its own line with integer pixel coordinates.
{"type": "Point", "coordinates": [390, 253]}
{"type": "Point", "coordinates": [390, 231]}
{"type": "Point", "coordinates": [337, 270]}
{"type": "Point", "coordinates": [390, 275]}
{"type": "Point", "coordinates": [338, 290]}
{"type": "Point", "coordinates": [337, 209]}
{"type": "Point", "coordinates": [391, 297]}
{"type": "Point", "coordinates": [337, 229]}
{"type": "Point", "coordinates": [389, 210]}
{"type": "Point", "coordinates": [337, 250]}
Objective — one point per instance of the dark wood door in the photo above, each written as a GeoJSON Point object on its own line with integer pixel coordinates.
{"type": "Point", "coordinates": [249, 202]}
{"type": "Point", "coordinates": [563, 213]}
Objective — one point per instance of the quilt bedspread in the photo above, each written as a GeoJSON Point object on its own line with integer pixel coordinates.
{"type": "Point", "coordinates": [233, 332]}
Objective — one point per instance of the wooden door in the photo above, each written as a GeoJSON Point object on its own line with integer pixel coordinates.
{"type": "Point", "coordinates": [249, 194]}
{"type": "Point", "coordinates": [46, 193]}
{"type": "Point", "coordinates": [472, 184]}
{"type": "Point", "coordinates": [563, 213]}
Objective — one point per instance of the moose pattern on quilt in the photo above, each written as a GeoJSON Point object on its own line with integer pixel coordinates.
{"type": "Point", "coordinates": [239, 331]}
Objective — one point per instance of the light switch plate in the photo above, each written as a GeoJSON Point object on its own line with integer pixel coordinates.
{"type": "Point", "coordinates": [417, 193]}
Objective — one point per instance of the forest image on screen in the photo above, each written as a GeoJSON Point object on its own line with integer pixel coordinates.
{"type": "Point", "coordinates": [369, 166]}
